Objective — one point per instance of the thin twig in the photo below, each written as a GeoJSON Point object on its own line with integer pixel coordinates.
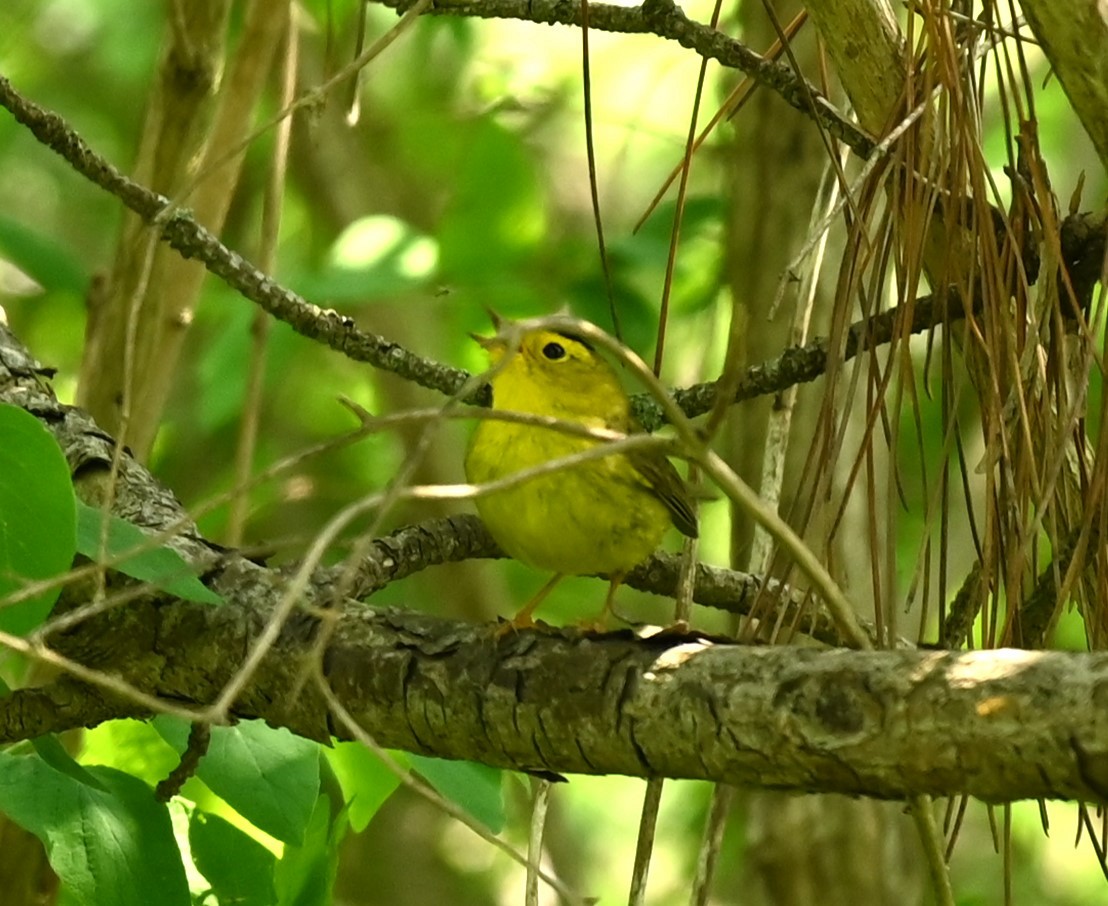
{"type": "Point", "coordinates": [267, 256]}
{"type": "Point", "coordinates": [644, 846]}
{"type": "Point", "coordinates": [933, 848]}
{"type": "Point", "coordinates": [540, 800]}
{"type": "Point", "coordinates": [723, 795]}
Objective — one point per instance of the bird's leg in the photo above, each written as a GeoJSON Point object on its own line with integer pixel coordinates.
{"type": "Point", "coordinates": [523, 619]}
{"type": "Point", "coordinates": [599, 623]}
{"type": "Point", "coordinates": [614, 582]}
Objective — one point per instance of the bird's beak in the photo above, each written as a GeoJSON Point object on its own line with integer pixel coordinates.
{"type": "Point", "coordinates": [489, 344]}
{"type": "Point", "coordinates": [497, 321]}
{"type": "Point", "coordinates": [494, 344]}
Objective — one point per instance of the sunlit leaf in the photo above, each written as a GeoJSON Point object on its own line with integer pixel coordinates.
{"type": "Point", "coordinates": [477, 788]}
{"type": "Point", "coordinates": [112, 843]}
{"type": "Point", "coordinates": [161, 566]}
{"type": "Point", "coordinates": [37, 516]}
{"type": "Point", "coordinates": [269, 776]}
{"type": "Point", "coordinates": [237, 866]}
{"type": "Point", "coordinates": [129, 745]}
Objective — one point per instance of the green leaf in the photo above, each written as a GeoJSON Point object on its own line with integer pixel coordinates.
{"type": "Point", "coordinates": [42, 258]}
{"type": "Point", "coordinates": [267, 775]}
{"type": "Point", "coordinates": [109, 846]}
{"type": "Point", "coordinates": [237, 866]}
{"type": "Point", "coordinates": [475, 787]}
{"type": "Point", "coordinates": [37, 533]}
{"type": "Point", "coordinates": [162, 567]}
{"type": "Point", "coordinates": [305, 876]}
{"type": "Point", "coordinates": [132, 746]}
{"type": "Point", "coordinates": [365, 781]}
{"type": "Point", "coordinates": [51, 751]}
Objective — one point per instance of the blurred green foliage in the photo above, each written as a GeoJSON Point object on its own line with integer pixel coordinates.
{"type": "Point", "coordinates": [462, 185]}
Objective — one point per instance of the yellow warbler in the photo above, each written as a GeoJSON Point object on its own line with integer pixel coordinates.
{"type": "Point", "coordinates": [605, 515]}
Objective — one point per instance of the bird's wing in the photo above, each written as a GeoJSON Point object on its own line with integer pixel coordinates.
{"type": "Point", "coordinates": [663, 480]}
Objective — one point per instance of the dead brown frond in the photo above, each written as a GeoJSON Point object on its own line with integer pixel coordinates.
{"type": "Point", "coordinates": [960, 475]}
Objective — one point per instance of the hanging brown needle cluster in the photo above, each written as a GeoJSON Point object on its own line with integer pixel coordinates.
{"type": "Point", "coordinates": [958, 476]}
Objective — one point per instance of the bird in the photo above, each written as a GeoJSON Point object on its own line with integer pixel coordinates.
{"type": "Point", "coordinates": [601, 516]}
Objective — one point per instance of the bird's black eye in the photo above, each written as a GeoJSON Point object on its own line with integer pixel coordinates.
{"type": "Point", "coordinates": [554, 351]}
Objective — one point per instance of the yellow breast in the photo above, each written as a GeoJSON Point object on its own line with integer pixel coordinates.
{"type": "Point", "coordinates": [596, 517]}
{"type": "Point", "coordinates": [600, 516]}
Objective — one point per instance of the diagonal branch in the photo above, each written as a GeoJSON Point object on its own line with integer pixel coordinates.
{"type": "Point", "coordinates": [182, 233]}
{"type": "Point", "coordinates": [1074, 37]}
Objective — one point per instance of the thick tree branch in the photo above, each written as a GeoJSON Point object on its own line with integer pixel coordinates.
{"type": "Point", "coordinates": [1074, 37]}
{"type": "Point", "coordinates": [863, 39]}
{"type": "Point", "coordinates": [999, 725]}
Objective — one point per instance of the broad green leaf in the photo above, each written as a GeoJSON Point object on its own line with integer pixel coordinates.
{"type": "Point", "coordinates": [50, 750]}
{"type": "Point", "coordinates": [267, 775]}
{"type": "Point", "coordinates": [475, 787]}
{"type": "Point", "coordinates": [42, 258]}
{"type": "Point", "coordinates": [133, 746]}
{"type": "Point", "coordinates": [162, 567]}
{"type": "Point", "coordinates": [305, 876]}
{"type": "Point", "coordinates": [365, 781]}
{"type": "Point", "coordinates": [237, 866]}
{"type": "Point", "coordinates": [37, 534]}
{"type": "Point", "coordinates": [112, 846]}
